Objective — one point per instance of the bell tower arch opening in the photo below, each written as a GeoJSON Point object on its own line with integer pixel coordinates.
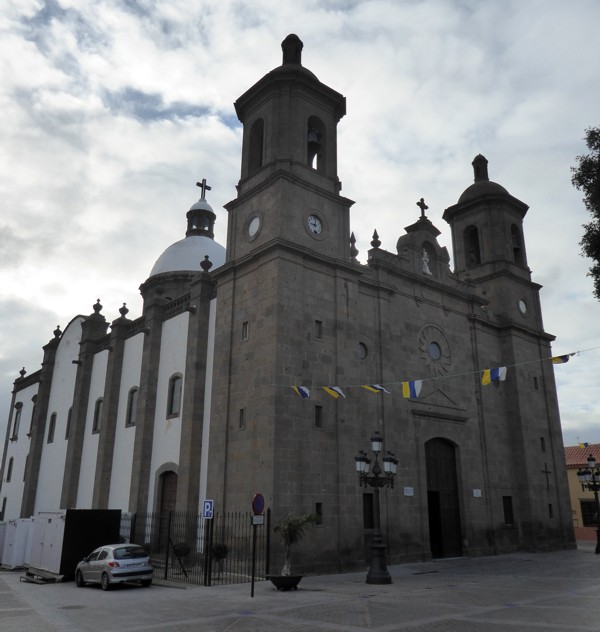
{"type": "Point", "coordinates": [315, 146]}
{"type": "Point", "coordinates": [256, 146]}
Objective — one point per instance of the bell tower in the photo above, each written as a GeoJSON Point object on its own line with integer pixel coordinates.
{"type": "Point", "coordinates": [289, 188]}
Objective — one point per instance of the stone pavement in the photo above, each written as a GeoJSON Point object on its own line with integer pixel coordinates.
{"type": "Point", "coordinates": [518, 592]}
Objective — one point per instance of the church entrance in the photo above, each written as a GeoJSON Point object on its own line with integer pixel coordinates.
{"type": "Point", "coordinates": [445, 534]}
{"type": "Point", "coordinates": [166, 504]}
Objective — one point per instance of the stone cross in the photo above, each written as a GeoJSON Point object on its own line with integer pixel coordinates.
{"type": "Point", "coordinates": [203, 187]}
{"type": "Point", "coordinates": [421, 204]}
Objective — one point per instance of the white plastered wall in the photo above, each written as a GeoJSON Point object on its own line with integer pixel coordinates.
{"type": "Point", "coordinates": [167, 432]}
{"type": "Point", "coordinates": [89, 453]}
{"type": "Point", "coordinates": [120, 481]}
{"type": "Point", "coordinates": [52, 463]}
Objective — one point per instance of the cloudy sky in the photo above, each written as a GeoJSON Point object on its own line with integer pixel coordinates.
{"type": "Point", "coordinates": [113, 109]}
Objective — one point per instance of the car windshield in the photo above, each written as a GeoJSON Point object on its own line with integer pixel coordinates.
{"type": "Point", "coordinates": [128, 552]}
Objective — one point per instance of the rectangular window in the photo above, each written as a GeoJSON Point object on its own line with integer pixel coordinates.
{"type": "Point", "coordinates": [52, 428]}
{"type": "Point", "coordinates": [543, 444]}
{"type": "Point", "coordinates": [97, 416]}
{"type": "Point", "coordinates": [25, 468]}
{"type": "Point", "coordinates": [319, 513]}
{"type": "Point", "coordinates": [318, 416]}
{"type": "Point", "coordinates": [550, 511]}
{"type": "Point", "coordinates": [245, 330]}
{"type": "Point", "coordinates": [9, 469]}
{"type": "Point", "coordinates": [588, 513]}
{"type": "Point", "coordinates": [318, 328]}
{"type": "Point", "coordinates": [3, 509]}
{"type": "Point", "coordinates": [507, 506]}
{"type": "Point", "coordinates": [17, 421]}
{"type": "Point", "coordinates": [535, 383]}
{"type": "Point", "coordinates": [242, 419]}
{"type": "Point", "coordinates": [174, 399]}
{"type": "Point", "coordinates": [132, 400]}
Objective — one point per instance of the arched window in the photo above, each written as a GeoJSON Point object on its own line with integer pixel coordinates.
{"type": "Point", "coordinates": [515, 236]}
{"type": "Point", "coordinates": [34, 400]}
{"type": "Point", "coordinates": [17, 421]}
{"type": "Point", "coordinates": [256, 146]}
{"type": "Point", "coordinates": [97, 415]}
{"type": "Point", "coordinates": [132, 400]}
{"type": "Point", "coordinates": [472, 248]}
{"type": "Point", "coordinates": [315, 144]}
{"type": "Point", "coordinates": [51, 428]}
{"type": "Point", "coordinates": [174, 398]}
{"type": "Point", "coordinates": [9, 469]}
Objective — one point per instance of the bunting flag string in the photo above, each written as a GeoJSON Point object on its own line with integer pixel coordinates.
{"type": "Point", "coordinates": [411, 389]}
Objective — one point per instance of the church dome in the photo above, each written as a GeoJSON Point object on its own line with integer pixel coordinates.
{"type": "Point", "coordinates": [186, 254]}
{"type": "Point", "coordinates": [482, 186]}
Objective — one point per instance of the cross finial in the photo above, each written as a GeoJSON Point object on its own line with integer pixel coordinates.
{"type": "Point", "coordinates": [421, 204]}
{"type": "Point", "coordinates": [203, 187]}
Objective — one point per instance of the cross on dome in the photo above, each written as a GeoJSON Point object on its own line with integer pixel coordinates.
{"type": "Point", "coordinates": [421, 204]}
{"type": "Point", "coordinates": [203, 187]}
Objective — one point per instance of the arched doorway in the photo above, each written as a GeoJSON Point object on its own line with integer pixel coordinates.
{"type": "Point", "coordinates": [167, 489]}
{"type": "Point", "coordinates": [445, 535]}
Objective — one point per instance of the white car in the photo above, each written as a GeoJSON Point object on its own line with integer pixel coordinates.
{"type": "Point", "coordinates": [115, 564]}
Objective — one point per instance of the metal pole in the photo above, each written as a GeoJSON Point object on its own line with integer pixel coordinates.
{"type": "Point", "coordinates": [253, 558]}
{"type": "Point", "coordinates": [378, 572]}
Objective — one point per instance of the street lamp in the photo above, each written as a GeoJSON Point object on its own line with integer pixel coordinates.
{"type": "Point", "coordinates": [378, 572]}
{"type": "Point", "coordinates": [590, 481]}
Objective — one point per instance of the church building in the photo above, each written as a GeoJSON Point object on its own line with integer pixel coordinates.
{"type": "Point", "coordinates": [266, 365]}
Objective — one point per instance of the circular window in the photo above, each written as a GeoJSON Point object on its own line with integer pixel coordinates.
{"type": "Point", "coordinates": [434, 350]}
{"type": "Point", "coordinates": [522, 307]}
{"type": "Point", "coordinates": [361, 351]}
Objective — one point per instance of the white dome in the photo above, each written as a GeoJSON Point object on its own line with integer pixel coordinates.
{"type": "Point", "coordinates": [185, 255]}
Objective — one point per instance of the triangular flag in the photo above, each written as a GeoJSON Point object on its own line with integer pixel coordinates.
{"type": "Point", "coordinates": [334, 391]}
{"type": "Point", "coordinates": [493, 375]}
{"type": "Point", "coordinates": [561, 359]}
{"type": "Point", "coordinates": [375, 388]}
{"type": "Point", "coordinates": [411, 389]}
{"type": "Point", "coordinates": [301, 391]}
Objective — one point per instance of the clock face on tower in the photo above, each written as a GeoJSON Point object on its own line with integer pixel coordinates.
{"type": "Point", "coordinates": [314, 224]}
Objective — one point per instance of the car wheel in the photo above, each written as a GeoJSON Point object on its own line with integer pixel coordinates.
{"type": "Point", "coordinates": [79, 579]}
{"type": "Point", "coordinates": [146, 582]}
{"type": "Point", "coordinates": [105, 582]}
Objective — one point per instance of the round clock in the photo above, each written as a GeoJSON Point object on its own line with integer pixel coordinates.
{"type": "Point", "coordinates": [314, 224]}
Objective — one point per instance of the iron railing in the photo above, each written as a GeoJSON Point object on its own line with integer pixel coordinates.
{"type": "Point", "coordinates": [189, 548]}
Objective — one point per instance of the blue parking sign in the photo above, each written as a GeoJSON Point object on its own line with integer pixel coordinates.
{"type": "Point", "coordinates": [208, 508]}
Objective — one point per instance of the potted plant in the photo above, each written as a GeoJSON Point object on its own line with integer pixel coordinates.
{"type": "Point", "coordinates": [291, 529]}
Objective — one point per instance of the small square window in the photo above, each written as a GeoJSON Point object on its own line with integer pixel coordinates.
{"type": "Point", "coordinates": [245, 330]}
{"type": "Point", "coordinates": [318, 416]}
{"type": "Point", "coordinates": [318, 328]}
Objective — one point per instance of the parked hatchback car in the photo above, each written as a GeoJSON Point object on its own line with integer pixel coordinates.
{"type": "Point", "coordinates": [115, 564]}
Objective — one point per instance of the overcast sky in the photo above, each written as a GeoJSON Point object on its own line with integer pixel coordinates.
{"type": "Point", "coordinates": [112, 110]}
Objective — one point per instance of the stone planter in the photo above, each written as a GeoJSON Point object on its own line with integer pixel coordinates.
{"type": "Point", "coordinates": [285, 582]}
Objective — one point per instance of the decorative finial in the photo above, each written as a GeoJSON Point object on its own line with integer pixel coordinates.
{"type": "Point", "coordinates": [123, 310]}
{"type": "Point", "coordinates": [421, 204]}
{"type": "Point", "coordinates": [57, 332]}
{"type": "Point", "coordinates": [22, 372]}
{"type": "Point", "coordinates": [292, 49]}
{"type": "Point", "coordinates": [480, 169]}
{"type": "Point", "coordinates": [97, 307]}
{"type": "Point", "coordinates": [375, 242]}
{"type": "Point", "coordinates": [206, 264]}
{"type": "Point", "coordinates": [353, 249]}
{"type": "Point", "coordinates": [204, 188]}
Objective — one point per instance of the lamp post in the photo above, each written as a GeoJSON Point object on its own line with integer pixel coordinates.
{"type": "Point", "coordinates": [378, 572]}
{"type": "Point", "coordinates": [590, 481]}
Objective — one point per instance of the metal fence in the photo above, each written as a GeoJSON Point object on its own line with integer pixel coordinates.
{"type": "Point", "coordinates": [226, 549]}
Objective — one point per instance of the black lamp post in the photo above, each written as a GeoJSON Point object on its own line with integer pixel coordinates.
{"type": "Point", "coordinates": [378, 572]}
{"type": "Point", "coordinates": [590, 481]}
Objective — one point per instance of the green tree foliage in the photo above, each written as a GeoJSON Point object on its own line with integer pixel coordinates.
{"type": "Point", "coordinates": [586, 178]}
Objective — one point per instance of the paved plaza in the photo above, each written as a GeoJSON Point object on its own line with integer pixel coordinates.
{"type": "Point", "coordinates": [523, 591]}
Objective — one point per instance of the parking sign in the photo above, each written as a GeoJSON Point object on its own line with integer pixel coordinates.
{"type": "Point", "coordinates": [208, 508]}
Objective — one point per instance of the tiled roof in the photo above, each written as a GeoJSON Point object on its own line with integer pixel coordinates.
{"type": "Point", "coordinates": [576, 456]}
